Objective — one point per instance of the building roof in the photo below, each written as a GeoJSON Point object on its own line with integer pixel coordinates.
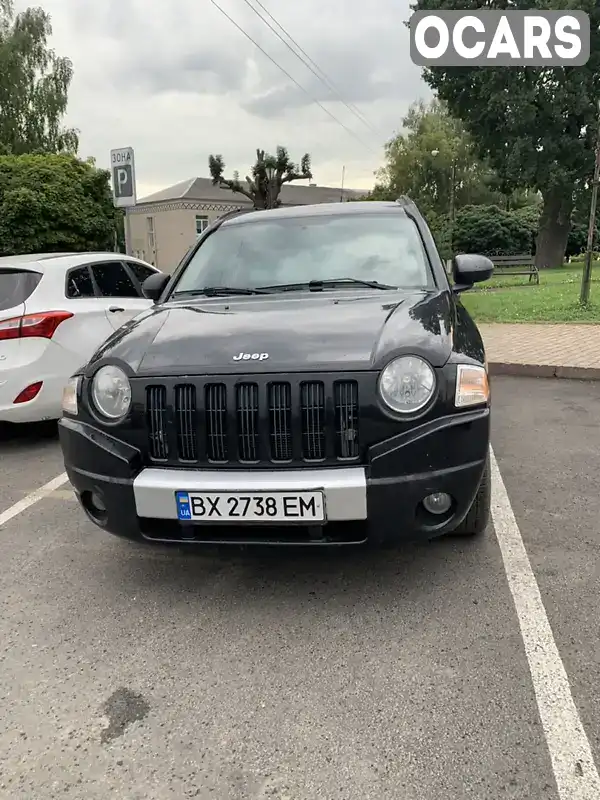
{"type": "Point", "coordinates": [291, 194]}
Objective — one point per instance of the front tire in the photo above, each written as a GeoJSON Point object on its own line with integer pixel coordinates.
{"type": "Point", "coordinates": [478, 516]}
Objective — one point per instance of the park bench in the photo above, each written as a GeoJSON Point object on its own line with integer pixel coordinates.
{"type": "Point", "coordinates": [516, 265]}
{"type": "Point", "coordinates": [510, 265]}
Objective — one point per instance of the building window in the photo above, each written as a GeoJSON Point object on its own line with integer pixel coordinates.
{"type": "Point", "coordinates": [201, 224]}
{"type": "Point", "coordinates": [150, 224]}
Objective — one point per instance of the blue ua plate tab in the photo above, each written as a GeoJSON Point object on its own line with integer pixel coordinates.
{"type": "Point", "coordinates": [183, 505]}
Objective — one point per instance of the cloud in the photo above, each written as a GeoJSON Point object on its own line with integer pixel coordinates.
{"type": "Point", "coordinates": [178, 82]}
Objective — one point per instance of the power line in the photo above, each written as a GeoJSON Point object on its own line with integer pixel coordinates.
{"type": "Point", "coordinates": [315, 69]}
{"type": "Point", "coordinates": [287, 74]}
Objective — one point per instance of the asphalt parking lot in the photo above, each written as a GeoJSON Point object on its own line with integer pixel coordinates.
{"type": "Point", "coordinates": [438, 673]}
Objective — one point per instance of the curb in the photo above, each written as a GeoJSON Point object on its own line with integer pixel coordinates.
{"type": "Point", "coordinates": [544, 371]}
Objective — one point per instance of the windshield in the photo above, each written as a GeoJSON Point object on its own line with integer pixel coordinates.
{"type": "Point", "coordinates": [386, 248]}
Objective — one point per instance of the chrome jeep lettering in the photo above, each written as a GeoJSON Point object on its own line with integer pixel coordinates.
{"type": "Point", "coordinates": [251, 357]}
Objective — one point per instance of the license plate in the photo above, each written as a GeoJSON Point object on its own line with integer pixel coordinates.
{"type": "Point", "coordinates": [261, 507]}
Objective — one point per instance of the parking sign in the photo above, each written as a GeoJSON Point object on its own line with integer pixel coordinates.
{"type": "Point", "coordinates": [122, 166]}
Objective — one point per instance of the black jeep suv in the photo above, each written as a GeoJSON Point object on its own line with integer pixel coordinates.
{"type": "Point", "coordinates": [307, 375]}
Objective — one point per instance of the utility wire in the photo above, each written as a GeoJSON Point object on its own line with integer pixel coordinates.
{"type": "Point", "coordinates": [315, 69]}
{"type": "Point", "coordinates": [287, 74]}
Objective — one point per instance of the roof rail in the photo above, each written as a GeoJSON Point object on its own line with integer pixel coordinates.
{"type": "Point", "coordinates": [234, 213]}
{"type": "Point", "coordinates": [406, 202]}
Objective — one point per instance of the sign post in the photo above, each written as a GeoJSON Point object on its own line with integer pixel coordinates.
{"type": "Point", "coordinates": [122, 167]}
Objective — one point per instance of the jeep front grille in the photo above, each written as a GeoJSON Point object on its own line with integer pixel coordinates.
{"type": "Point", "coordinates": [346, 418]}
{"type": "Point", "coordinates": [215, 407]}
{"type": "Point", "coordinates": [280, 421]}
{"type": "Point", "coordinates": [253, 422]}
{"type": "Point", "coordinates": [156, 420]}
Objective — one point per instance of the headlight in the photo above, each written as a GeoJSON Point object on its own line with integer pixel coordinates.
{"type": "Point", "coordinates": [111, 392]}
{"type": "Point", "coordinates": [407, 384]}
{"type": "Point", "coordinates": [472, 386]}
{"type": "Point", "coordinates": [69, 397]}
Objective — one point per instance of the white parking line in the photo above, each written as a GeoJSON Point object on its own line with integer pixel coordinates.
{"type": "Point", "coordinates": [572, 760]}
{"type": "Point", "coordinates": [33, 498]}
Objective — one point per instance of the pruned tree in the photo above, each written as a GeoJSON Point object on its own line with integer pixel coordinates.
{"type": "Point", "coordinates": [262, 191]}
{"type": "Point", "coordinates": [34, 85]}
{"type": "Point", "coordinates": [536, 125]}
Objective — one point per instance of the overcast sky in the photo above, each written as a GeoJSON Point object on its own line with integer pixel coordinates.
{"type": "Point", "coordinates": [177, 81]}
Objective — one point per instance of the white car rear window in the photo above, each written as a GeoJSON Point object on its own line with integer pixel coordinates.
{"type": "Point", "coordinates": [16, 286]}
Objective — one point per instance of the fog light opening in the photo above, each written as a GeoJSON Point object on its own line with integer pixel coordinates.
{"type": "Point", "coordinates": [437, 503]}
{"type": "Point", "coordinates": [29, 393]}
{"type": "Point", "coordinates": [94, 505]}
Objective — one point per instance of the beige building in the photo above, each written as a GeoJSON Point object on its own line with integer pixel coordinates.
{"type": "Point", "coordinates": [165, 225]}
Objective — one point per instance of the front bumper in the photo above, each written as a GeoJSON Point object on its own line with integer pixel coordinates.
{"type": "Point", "coordinates": [378, 502]}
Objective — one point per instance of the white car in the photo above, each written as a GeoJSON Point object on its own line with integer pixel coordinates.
{"type": "Point", "coordinates": [56, 309]}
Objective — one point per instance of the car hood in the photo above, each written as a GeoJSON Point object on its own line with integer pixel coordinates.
{"type": "Point", "coordinates": [328, 331]}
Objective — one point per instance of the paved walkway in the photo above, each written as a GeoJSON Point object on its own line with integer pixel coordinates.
{"type": "Point", "coordinates": [543, 349]}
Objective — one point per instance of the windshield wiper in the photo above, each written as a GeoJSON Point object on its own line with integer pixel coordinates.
{"type": "Point", "coordinates": [216, 291]}
{"type": "Point", "coordinates": [318, 286]}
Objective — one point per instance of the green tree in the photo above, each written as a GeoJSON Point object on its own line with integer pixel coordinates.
{"type": "Point", "coordinates": [441, 230]}
{"type": "Point", "coordinates": [493, 231]}
{"type": "Point", "coordinates": [381, 191]}
{"type": "Point", "coordinates": [536, 125]}
{"type": "Point", "coordinates": [53, 203]}
{"type": "Point", "coordinates": [577, 242]}
{"type": "Point", "coordinates": [263, 193]}
{"type": "Point", "coordinates": [529, 216]}
{"type": "Point", "coordinates": [434, 161]}
{"type": "Point", "coordinates": [34, 85]}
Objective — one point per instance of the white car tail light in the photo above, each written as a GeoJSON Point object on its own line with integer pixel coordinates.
{"type": "Point", "coordinates": [41, 326]}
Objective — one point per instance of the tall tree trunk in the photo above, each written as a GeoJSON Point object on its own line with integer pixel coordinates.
{"type": "Point", "coordinates": [555, 226]}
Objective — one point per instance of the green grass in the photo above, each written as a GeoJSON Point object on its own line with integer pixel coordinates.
{"type": "Point", "coordinates": [556, 299]}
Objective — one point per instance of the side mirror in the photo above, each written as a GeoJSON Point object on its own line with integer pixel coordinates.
{"type": "Point", "coordinates": [468, 269]}
{"type": "Point", "coordinates": [153, 287]}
